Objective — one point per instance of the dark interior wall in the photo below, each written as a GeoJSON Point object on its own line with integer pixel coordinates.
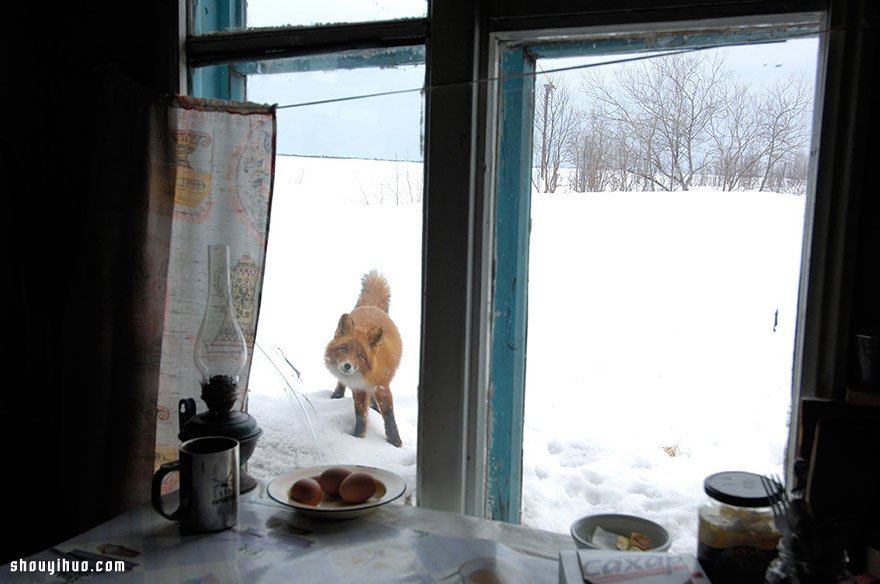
{"type": "Point", "coordinates": [55, 67]}
{"type": "Point", "coordinates": [849, 153]}
{"type": "Point", "coordinates": [866, 295]}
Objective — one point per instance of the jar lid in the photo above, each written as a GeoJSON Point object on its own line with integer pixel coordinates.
{"type": "Point", "coordinates": [743, 489]}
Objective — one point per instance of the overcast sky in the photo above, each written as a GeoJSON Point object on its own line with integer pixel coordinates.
{"type": "Point", "coordinates": [306, 13]}
{"type": "Point", "coordinates": [388, 126]}
{"type": "Point", "coordinates": [385, 127]}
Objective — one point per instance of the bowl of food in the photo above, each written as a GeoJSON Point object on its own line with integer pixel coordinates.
{"type": "Point", "coordinates": [614, 531]}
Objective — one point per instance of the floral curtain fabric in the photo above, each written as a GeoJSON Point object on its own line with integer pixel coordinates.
{"type": "Point", "coordinates": [220, 156]}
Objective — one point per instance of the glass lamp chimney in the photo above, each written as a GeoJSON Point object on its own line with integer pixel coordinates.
{"type": "Point", "coordinates": [220, 349]}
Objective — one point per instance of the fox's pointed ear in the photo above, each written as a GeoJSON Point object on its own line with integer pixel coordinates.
{"type": "Point", "coordinates": [345, 326]}
{"type": "Point", "coordinates": [374, 337]}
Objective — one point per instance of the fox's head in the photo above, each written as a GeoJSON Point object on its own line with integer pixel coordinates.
{"type": "Point", "coordinates": [351, 353]}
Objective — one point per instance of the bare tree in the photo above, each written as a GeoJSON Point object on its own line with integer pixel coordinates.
{"type": "Point", "coordinates": [785, 123]}
{"type": "Point", "coordinates": [667, 103]}
{"type": "Point", "coordinates": [591, 150]}
{"type": "Point", "coordinates": [554, 122]}
{"type": "Point", "coordinates": [738, 144]}
{"type": "Point", "coordinates": [670, 123]}
{"type": "Point", "coordinates": [625, 156]}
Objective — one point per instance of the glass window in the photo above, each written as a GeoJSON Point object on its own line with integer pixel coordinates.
{"type": "Point", "coordinates": [261, 13]}
{"type": "Point", "coordinates": [347, 200]}
{"type": "Point", "coordinates": [272, 13]}
{"type": "Point", "coordinates": [325, 113]}
{"type": "Point", "coordinates": [666, 211]}
{"type": "Point", "coordinates": [517, 197]}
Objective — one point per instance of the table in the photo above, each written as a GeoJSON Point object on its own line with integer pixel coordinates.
{"type": "Point", "coordinates": [274, 543]}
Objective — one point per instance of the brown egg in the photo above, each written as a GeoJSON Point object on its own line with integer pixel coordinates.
{"type": "Point", "coordinates": [306, 491]}
{"type": "Point", "coordinates": [331, 478]}
{"type": "Point", "coordinates": [357, 487]}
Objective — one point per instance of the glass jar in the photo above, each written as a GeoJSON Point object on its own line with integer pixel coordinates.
{"type": "Point", "coordinates": [787, 569]}
{"type": "Point", "coordinates": [737, 539]}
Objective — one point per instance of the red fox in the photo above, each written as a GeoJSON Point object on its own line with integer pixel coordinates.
{"type": "Point", "coordinates": [364, 354]}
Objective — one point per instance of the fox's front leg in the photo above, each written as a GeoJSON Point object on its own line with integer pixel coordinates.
{"type": "Point", "coordinates": [361, 403]}
{"type": "Point", "coordinates": [386, 408]}
{"type": "Point", "coordinates": [339, 391]}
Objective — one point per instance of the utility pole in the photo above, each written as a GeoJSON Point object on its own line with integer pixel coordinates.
{"type": "Point", "coordinates": [548, 89]}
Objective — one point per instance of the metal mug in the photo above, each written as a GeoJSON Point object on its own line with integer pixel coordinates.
{"type": "Point", "coordinates": [209, 484]}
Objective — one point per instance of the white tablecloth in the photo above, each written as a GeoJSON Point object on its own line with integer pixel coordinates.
{"type": "Point", "coordinates": [274, 543]}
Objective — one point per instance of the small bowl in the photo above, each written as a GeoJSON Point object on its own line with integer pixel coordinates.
{"type": "Point", "coordinates": [582, 530]}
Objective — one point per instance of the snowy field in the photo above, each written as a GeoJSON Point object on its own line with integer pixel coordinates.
{"type": "Point", "coordinates": [661, 331]}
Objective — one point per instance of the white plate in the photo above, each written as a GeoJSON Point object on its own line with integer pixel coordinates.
{"type": "Point", "coordinates": [389, 487]}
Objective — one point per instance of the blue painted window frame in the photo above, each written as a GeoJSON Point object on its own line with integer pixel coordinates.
{"type": "Point", "coordinates": [513, 167]}
{"type": "Point", "coordinates": [218, 81]}
{"type": "Point", "coordinates": [508, 353]}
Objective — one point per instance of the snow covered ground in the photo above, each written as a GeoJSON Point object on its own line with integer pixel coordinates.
{"type": "Point", "coordinates": [661, 331]}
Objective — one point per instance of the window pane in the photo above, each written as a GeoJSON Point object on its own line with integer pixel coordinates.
{"type": "Point", "coordinates": [660, 350]}
{"type": "Point", "coordinates": [347, 200]}
{"type": "Point", "coordinates": [263, 13]}
{"type": "Point", "coordinates": [384, 127]}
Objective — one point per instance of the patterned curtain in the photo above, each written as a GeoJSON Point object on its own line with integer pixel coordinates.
{"type": "Point", "coordinates": [221, 156]}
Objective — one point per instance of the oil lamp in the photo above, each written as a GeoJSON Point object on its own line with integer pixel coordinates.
{"type": "Point", "coordinates": [220, 355]}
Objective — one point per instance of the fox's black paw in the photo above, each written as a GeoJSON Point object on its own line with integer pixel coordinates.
{"type": "Point", "coordinates": [360, 426]}
{"type": "Point", "coordinates": [391, 433]}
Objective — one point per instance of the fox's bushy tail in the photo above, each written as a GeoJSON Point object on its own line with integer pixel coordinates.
{"type": "Point", "coordinates": [375, 291]}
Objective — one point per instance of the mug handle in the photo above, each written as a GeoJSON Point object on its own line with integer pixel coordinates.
{"type": "Point", "coordinates": [156, 491]}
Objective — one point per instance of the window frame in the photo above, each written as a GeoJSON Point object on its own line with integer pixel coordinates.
{"type": "Point", "coordinates": [517, 54]}
{"type": "Point", "coordinates": [827, 275]}
{"type": "Point", "coordinates": [459, 270]}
